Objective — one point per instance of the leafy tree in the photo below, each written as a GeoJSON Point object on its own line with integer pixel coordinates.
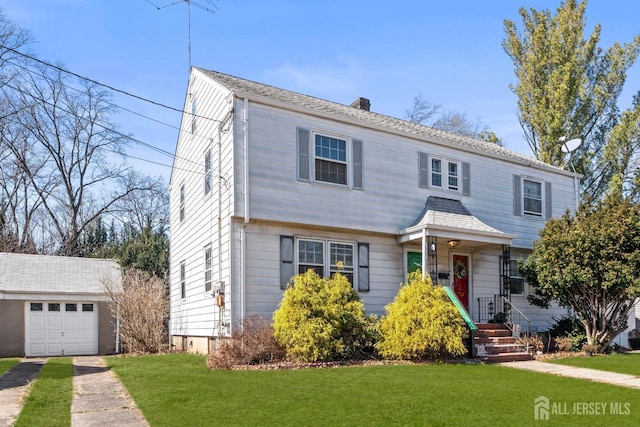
{"type": "Point", "coordinates": [589, 263]}
{"type": "Point", "coordinates": [320, 318]}
{"type": "Point", "coordinates": [566, 84]}
{"type": "Point", "coordinates": [421, 323]}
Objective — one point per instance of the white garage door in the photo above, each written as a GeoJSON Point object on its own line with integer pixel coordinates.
{"type": "Point", "coordinates": [61, 328]}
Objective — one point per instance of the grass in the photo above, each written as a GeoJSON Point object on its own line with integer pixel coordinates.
{"type": "Point", "coordinates": [621, 363]}
{"type": "Point", "coordinates": [178, 389]}
{"type": "Point", "coordinates": [6, 364]}
{"type": "Point", "coordinates": [49, 402]}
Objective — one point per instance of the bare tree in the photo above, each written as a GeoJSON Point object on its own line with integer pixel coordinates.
{"type": "Point", "coordinates": [68, 152]}
{"type": "Point", "coordinates": [421, 110]}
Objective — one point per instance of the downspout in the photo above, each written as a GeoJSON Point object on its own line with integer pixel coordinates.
{"type": "Point", "coordinates": [243, 238]}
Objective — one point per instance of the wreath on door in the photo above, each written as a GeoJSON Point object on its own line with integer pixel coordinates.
{"type": "Point", "coordinates": [459, 270]}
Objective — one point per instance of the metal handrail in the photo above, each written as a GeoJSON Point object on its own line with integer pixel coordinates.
{"type": "Point", "coordinates": [500, 310]}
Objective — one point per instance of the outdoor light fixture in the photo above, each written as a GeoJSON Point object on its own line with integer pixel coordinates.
{"type": "Point", "coordinates": [433, 247]}
{"type": "Point", "coordinates": [453, 242]}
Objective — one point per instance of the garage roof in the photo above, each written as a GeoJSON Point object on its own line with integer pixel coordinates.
{"type": "Point", "coordinates": [56, 274]}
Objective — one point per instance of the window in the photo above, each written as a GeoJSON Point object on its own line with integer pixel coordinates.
{"type": "Point", "coordinates": [311, 256]}
{"type": "Point", "coordinates": [331, 159]}
{"type": "Point", "coordinates": [341, 259]}
{"type": "Point", "coordinates": [532, 197]}
{"type": "Point", "coordinates": [453, 176]}
{"type": "Point", "coordinates": [207, 172]}
{"type": "Point", "coordinates": [53, 306]}
{"type": "Point", "coordinates": [182, 203]}
{"type": "Point", "coordinates": [207, 269]}
{"type": "Point", "coordinates": [325, 257]}
{"type": "Point", "coordinates": [193, 116]}
{"type": "Point", "coordinates": [71, 307]}
{"type": "Point", "coordinates": [183, 280]}
{"type": "Point", "coordinates": [87, 307]}
{"type": "Point", "coordinates": [438, 172]}
{"type": "Point", "coordinates": [516, 280]}
{"type": "Point", "coordinates": [35, 306]}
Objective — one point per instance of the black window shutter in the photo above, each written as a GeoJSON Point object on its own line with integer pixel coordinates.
{"type": "Point", "coordinates": [303, 154]}
{"type": "Point", "coordinates": [466, 179]}
{"type": "Point", "coordinates": [423, 170]}
{"type": "Point", "coordinates": [357, 164]}
{"type": "Point", "coordinates": [517, 195]}
{"type": "Point", "coordinates": [363, 267]}
{"type": "Point", "coordinates": [286, 261]}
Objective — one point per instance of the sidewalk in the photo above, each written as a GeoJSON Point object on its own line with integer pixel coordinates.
{"type": "Point", "coordinates": [99, 398]}
{"type": "Point", "coordinates": [14, 384]}
{"type": "Point", "coordinates": [623, 380]}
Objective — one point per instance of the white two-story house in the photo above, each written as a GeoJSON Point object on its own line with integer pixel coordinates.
{"type": "Point", "coordinates": [268, 183]}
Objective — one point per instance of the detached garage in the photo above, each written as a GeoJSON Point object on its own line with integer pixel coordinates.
{"type": "Point", "coordinates": [56, 306]}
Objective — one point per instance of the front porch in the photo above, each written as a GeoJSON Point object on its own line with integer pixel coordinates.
{"type": "Point", "coordinates": [473, 259]}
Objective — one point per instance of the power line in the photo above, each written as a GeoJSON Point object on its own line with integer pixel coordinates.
{"type": "Point", "coordinates": [124, 92]}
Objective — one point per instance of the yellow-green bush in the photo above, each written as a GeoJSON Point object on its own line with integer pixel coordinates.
{"type": "Point", "coordinates": [421, 323]}
{"type": "Point", "coordinates": [320, 319]}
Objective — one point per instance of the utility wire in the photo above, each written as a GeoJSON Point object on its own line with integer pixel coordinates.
{"type": "Point", "coordinates": [159, 104]}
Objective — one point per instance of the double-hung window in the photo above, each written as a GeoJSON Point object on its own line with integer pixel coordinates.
{"type": "Point", "coordinates": [516, 281]}
{"type": "Point", "coordinates": [207, 269]}
{"type": "Point", "coordinates": [207, 172]}
{"type": "Point", "coordinates": [532, 197]}
{"type": "Point", "coordinates": [182, 202]}
{"type": "Point", "coordinates": [331, 159]}
{"type": "Point", "coordinates": [326, 256]}
{"type": "Point", "coordinates": [444, 174]}
{"type": "Point", "coordinates": [183, 280]}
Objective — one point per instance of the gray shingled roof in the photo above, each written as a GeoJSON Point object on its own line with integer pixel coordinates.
{"type": "Point", "coordinates": [242, 86]}
{"type": "Point", "coordinates": [55, 274]}
{"type": "Point", "coordinates": [451, 214]}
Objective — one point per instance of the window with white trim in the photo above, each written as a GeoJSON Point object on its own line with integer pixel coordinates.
{"type": "Point", "coordinates": [193, 115]}
{"type": "Point", "coordinates": [532, 197]}
{"type": "Point", "coordinates": [182, 197]}
{"type": "Point", "coordinates": [516, 281]}
{"type": "Point", "coordinates": [207, 268]}
{"type": "Point", "coordinates": [207, 172]}
{"type": "Point", "coordinates": [326, 256]}
{"type": "Point", "coordinates": [330, 159]}
{"type": "Point", "coordinates": [327, 158]}
{"type": "Point", "coordinates": [443, 173]}
{"type": "Point", "coordinates": [183, 280]}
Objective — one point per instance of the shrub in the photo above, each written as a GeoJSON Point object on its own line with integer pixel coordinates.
{"type": "Point", "coordinates": [320, 319]}
{"type": "Point", "coordinates": [571, 328]}
{"type": "Point", "coordinates": [563, 343]}
{"type": "Point", "coordinates": [421, 323]}
{"type": "Point", "coordinates": [252, 343]}
{"type": "Point", "coordinates": [142, 305]}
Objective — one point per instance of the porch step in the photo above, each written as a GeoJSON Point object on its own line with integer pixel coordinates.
{"type": "Point", "coordinates": [507, 357]}
{"type": "Point", "coordinates": [494, 343]}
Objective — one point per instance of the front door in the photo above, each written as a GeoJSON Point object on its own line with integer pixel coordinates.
{"type": "Point", "coordinates": [461, 279]}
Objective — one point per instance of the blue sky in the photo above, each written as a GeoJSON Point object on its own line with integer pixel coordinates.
{"type": "Point", "coordinates": [386, 51]}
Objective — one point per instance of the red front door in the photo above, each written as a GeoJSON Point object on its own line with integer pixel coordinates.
{"type": "Point", "coordinates": [461, 279]}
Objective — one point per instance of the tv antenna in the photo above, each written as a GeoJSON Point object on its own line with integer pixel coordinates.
{"type": "Point", "coordinates": [208, 6]}
{"type": "Point", "coordinates": [569, 147]}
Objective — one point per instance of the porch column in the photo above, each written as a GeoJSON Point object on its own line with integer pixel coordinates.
{"type": "Point", "coordinates": [425, 258]}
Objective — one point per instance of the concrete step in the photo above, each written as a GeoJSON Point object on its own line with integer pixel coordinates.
{"type": "Point", "coordinates": [507, 357]}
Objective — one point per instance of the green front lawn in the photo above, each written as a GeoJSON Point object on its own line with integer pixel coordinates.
{"type": "Point", "coordinates": [6, 364]}
{"type": "Point", "coordinates": [49, 403]}
{"type": "Point", "coordinates": [621, 363]}
{"type": "Point", "coordinates": [178, 389]}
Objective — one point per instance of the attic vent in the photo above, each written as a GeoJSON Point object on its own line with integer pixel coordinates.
{"type": "Point", "coordinates": [362, 104]}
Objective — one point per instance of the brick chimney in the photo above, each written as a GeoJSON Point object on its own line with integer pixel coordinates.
{"type": "Point", "coordinates": [362, 104]}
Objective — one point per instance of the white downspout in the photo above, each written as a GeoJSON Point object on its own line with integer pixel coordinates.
{"type": "Point", "coordinates": [243, 255]}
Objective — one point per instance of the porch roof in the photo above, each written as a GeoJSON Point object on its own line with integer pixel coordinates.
{"type": "Point", "coordinates": [449, 218]}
